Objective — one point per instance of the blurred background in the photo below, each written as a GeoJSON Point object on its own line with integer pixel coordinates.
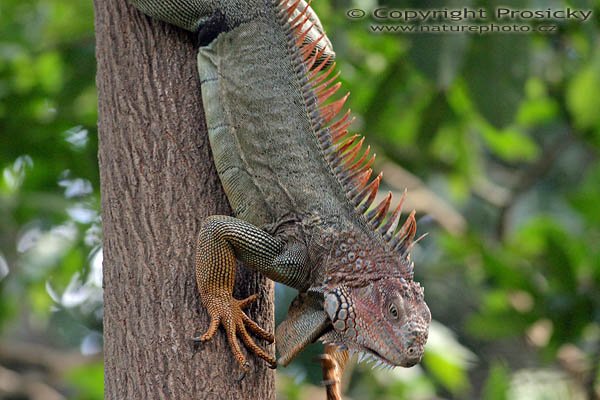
{"type": "Point", "coordinates": [496, 136]}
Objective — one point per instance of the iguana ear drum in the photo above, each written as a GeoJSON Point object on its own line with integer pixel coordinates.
{"type": "Point", "coordinates": [208, 31]}
{"type": "Point", "coordinates": [341, 311]}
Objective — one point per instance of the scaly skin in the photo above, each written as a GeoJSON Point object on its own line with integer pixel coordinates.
{"type": "Point", "coordinates": [299, 186]}
{"type": "Point", "coordinates": [220, 239]}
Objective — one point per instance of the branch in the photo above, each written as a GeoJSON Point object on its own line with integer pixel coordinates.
{"type": "Point", "coordinates": [39, 356]}
{"type": "Point", "coordinates": [16, 385]}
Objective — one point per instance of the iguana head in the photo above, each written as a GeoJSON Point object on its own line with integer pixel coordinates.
{"type": "Point", "coordinates": [387, 319]}
{"type": "Point", "coordinates": [375, 306]}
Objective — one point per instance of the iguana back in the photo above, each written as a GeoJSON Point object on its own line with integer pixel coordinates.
{"type": "Point", "coordinates": [263, 136]}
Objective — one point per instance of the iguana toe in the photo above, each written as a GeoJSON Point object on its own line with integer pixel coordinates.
{"type": "Point", "coordinates": [227, 311]}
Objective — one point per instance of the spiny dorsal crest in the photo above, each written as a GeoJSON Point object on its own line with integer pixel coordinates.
{"type": "Point", "coordinates": [299, 13]}
{"type": "Point", "coordinates": [344, 152]}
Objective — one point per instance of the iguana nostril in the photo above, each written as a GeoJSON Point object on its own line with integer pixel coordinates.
{"type": "Point", "coordinates": [413, 357]}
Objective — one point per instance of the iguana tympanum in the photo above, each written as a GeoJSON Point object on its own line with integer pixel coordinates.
{"type": "Point", "coordinates": [299, 185]}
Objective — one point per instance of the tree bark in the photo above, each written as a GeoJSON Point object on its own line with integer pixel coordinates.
{"type": "Point", "coordinates": [158, 183]}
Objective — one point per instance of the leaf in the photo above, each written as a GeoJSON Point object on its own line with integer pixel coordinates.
{"type": "Point", "coordinates": [586, 200]}
{"type": "Point", "coordinates": [582, 96]}
{"type": "Point", "coordinates": [50, 71]}
{"type": "Point", "coordinates": [447, 359]}
{"type": "Point", "coordinates": [89, 380]}
{"type": "Point", "coordinates": [497, 384]}
{"type": "Point", "coordinates": [510, 144]}
{"type": "Point", "coordinates": [450, 375]}
{"type": "Point", "coordinates": [538, 108]}
{"type": "Point", "coordinates": [497, 326]}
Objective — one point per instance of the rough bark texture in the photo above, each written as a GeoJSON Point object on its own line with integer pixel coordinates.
{"type": "Point", "coordinates": [158, 183]}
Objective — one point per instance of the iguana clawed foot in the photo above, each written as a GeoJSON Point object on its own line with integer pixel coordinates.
{"type": "Point", "coordinates": [227, 311]}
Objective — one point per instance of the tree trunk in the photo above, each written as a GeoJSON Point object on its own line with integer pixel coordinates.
{"type": "Point", "coordinates": [158, 183]}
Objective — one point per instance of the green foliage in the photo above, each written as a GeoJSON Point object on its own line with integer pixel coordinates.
{"type": "Point", "coordinates": [49, 184]}
{"type": "Point", "coordinates": [581, 95]}
{"type": "Point", "coordinates": [447, 361]}
{"type": "Point", "coordinates": [498, 97]}
{"type": "Point", "coordinates": [497, 384]}
{"type": "Point", "coordinates": [88, 381]}
{"type": "Point", "coordinates": [505, 127]}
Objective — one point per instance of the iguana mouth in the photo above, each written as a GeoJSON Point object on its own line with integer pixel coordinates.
{"type": "Point", "coordinates": [379, 359]}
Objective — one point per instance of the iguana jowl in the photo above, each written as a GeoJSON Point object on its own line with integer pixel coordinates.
{"type": "Point", "coordinates": [300, 187]}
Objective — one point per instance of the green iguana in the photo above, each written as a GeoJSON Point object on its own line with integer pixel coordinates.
{"type": "Point", "coordinates": [300, 187]}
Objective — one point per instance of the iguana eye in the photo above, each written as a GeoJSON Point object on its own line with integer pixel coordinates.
{"type": "Point", "coordinates": [393, 311]}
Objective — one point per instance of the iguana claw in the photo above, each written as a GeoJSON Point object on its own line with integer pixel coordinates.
{"type": "Point", "coordinates": [245, 370]}
{"type": "Point", "coordinates": [227, 311]}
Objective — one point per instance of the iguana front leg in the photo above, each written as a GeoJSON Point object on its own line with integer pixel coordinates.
{"type": "Point", "coordinates": [223, 239]}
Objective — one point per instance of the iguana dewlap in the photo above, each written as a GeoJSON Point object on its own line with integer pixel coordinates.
{"type": "Point", "coordinates": [300, 187]}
